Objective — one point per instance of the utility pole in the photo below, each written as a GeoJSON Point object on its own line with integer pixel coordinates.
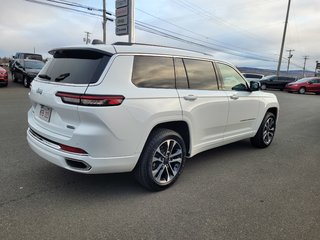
{"type": "Point", "coordinates": [104, 22]}
{"type": "Point", "coordinates": [283, 37]}
{"type": "Point", "coordinates": [304, 65]}
{"type": "Point", "coordinates": [87, 39]}
{"type": "Point", "coordinates": [289, 57]}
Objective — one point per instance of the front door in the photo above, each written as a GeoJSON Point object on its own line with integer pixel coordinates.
{"type": "Point", "coordinates": [244, 105]}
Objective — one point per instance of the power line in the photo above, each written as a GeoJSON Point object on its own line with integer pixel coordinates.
{"type": "Point", "coordinates": [72, 9]}
{"type": "Point", "coordinates": [65, 8]}
{"type": "Point", "coordinates": [74, 4]}
{"type": "Point", "coordinates": [170, 34]}
{"type": "Point", "coordinates": [220, 44]}
{"type": "Point", "coordinates": [180, 37]}
{"type": "Point", "coordinates": [198, 10]}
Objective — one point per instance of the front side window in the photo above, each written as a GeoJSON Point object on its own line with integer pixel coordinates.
{"type": "Point", "coordinates": [231, 79]}
{"type": "Point", "coordinates": [201, 74]}
{"type": "Point", "coordinates": [153, 72]}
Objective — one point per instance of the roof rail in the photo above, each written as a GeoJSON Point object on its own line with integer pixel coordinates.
{"type": "Point", "coordinates": [155, 45]}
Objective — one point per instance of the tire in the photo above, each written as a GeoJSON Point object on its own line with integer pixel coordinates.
{"type": "Point", "coordinates": [302, 90]}
{"type": "Point", "coordinates": [266, 131]}
{"type": "Point", "coordinates": [25, 82]}
{"type": "Point", "coordinates": [263, 87]}
{"type": "Point", "coordinates": [158, 166]}
{"type": "Point", "coordinates": [14, 78]}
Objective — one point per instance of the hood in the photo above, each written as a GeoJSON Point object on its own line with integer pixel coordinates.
{"type": "Point", "coordinates": [33, 71]}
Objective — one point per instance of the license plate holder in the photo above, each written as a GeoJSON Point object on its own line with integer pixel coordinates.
{"type": "Point", "coordinates": [45, 113]}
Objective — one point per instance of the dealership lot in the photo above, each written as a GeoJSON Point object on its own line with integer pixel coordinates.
{"type": "Point", "coordinates": [232, 192]}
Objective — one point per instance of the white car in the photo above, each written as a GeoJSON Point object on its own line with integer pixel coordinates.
{"type": "Point", "coordinates": [141, 108]}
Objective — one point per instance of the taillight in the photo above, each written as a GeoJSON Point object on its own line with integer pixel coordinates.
{"type": "Point", "coordinates": [72, 149]}
{"type": "Point", "coordinates": [90, 100]}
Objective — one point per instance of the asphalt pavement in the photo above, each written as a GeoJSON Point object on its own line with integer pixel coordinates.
{"type": "Point", "coordinates": [231, 192]}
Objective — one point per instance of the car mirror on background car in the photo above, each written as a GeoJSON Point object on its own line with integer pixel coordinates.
{"type": "Point", "coordinates": [255, 86]}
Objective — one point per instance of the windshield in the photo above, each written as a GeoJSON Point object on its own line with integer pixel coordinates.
{"type": "Point", "coordinates": [34, 65]}
{"type": "Point", "coordinates": [75, 66]}
{"type": "Point", "coordinates": [33, 56]}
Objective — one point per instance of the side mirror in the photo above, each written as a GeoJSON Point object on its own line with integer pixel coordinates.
{"type": "Point", "coordinates": [254, 86]}
{"type": "Point", "coordinates": [310, 82]}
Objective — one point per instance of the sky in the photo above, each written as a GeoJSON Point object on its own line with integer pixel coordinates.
{"type": "Point", "coordinates": [247, 33]}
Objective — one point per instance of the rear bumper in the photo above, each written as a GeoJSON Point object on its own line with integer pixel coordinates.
{"type": "Point", "coordinates": [90, 165]}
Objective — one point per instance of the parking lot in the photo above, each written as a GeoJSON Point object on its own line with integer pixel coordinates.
{"type": "Point", "coordinates": [231, 192]}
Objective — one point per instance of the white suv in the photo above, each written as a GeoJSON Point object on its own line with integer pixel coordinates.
{"type": "Point", "coordinates": [141, 108]}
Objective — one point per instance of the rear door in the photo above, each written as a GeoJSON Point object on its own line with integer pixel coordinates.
{"type": "Point", "coordinates": [314, 85]}
{"type": "Point", "coordinates": [204, 107]}
{"type": "Point", "coordinates": [69, 71]}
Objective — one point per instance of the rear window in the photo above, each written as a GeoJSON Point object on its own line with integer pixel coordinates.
{"type": "Point", "coordinates": [75, 66]}
{"type": "Point", "coordinates": [33, 56]}
{"type": "Point", "coordinates": [249, 75]}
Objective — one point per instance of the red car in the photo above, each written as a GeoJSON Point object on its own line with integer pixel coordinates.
{"type": "Point", "coordinates": [3, 77]}
{"type": "Point", "coordinates": [310, 84]}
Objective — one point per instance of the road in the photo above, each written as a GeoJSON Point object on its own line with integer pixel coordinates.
{"type": "Point", "coordinates": [232, 192]}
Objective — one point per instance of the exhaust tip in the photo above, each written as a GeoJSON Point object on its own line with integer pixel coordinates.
{"type": "Point", "coordinates": [78, 164]}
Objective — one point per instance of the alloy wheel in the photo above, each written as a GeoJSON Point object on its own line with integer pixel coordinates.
{"type": "Point", "coordinates": [166, 161]}
{"type": "Point", "coordinates": [268, 130]}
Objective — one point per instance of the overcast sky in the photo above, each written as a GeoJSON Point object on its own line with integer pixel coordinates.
{"type": "Point", "coordinates": [243, 32]}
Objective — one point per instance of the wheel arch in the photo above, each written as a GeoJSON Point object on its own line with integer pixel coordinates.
{"type": "Point", "coordinates": [181, 127]}
{"type": "Point", "coordinates": [273, 110]}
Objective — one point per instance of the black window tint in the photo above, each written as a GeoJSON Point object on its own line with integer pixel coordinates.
{"type": "Point", "coordinates": [251, 75]}
{"type": "Point", "coordinates": [153, 72]}
{"type": "Point", "coordinates": [201, 75]}
{"type": "Point", "coordinates": [33, 56]}
{"type": "Point", "coordinates": [231, 78]}
{"type": "Point", "coordinates": [75, 66]}
{"type": "Point", "coordinates": [181, 77]}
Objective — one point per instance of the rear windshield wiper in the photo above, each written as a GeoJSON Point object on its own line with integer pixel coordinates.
{"type": "Point", "coordinates": [62, 76]}
{"type": "Point", "coordinates": [44, 76]}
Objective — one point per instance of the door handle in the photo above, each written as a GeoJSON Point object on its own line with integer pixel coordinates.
{"type": "Point", "coordinates": [234, 97]}
{"type": "Point", "coordinates": [190, 97]}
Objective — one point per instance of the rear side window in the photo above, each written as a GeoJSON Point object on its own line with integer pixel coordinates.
{"type": "Point", "coordinates": [181, 76]}
{"type": "Point", "coordinates": [201, 74]}
{"type": "Point", "coordinates": [75, 66]}
{"type": "Point", "coordinates": [153, 72]}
